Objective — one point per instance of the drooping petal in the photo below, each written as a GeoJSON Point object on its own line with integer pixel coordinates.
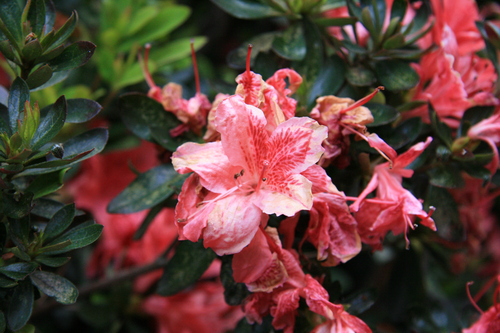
{"type": "Point", "coordinates": [231, 224]}
{"type": "Point", "coordinates": [243, 134]}
{"type": "Point", "coordinates": [251, 88]}
{"type": "Point", "coordinates": [321, 182]}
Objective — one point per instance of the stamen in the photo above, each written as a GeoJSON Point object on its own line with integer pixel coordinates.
{"type": "Point", "coordinates": [363, 101]}
{"type": "Point", "coordinates": [145, 69]}
{"type": "Point", "coordinates": [474, 304]}
{"type": "Point", "coordinates": [195, 68]}
{"type": "Point", "coordinates": [249, 56]}
{"type": "Point", "coordinates": [262, 177]}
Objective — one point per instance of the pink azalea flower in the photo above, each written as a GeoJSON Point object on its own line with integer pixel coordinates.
{"type": "Point", "coordinates": [488, 322]}
{"type": "Point", "coordinates": [343, 117]}
{"type": "Point", "coordinates": [488, 130]}
{"type": "Point", "coordinates": [249, 172]}
{"type": "Point", "coordinates": [278, 282]}
{"type": "Point", "coordinates": [394, 207]}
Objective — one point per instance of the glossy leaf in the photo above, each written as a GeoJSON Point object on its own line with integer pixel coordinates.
{"type": "Point", "coordinates": [6, 282]}
{"type": "Point", "coordinates": [60, 36]}
{"type": "Point", "coordinates": [55, 286]}
{"type": "Point", "coordinates": [46, 208]}
{"type": "Point", "coordinates": [398, 9]}
{"type": "Point", "coordinates": [472, 116]}
{"type": "Point", "coordinates": [396, 75]}
{"type": "Point", "coordinates": [40, 76]}
{"type": "Point", "coordinates": [52, 261]}
{"type": "Point", "coordinates": [50, 16]}
{"type": "Point", "coordinates": [148, 119]}
{"type": "Point", "coordinates": [51, 122]}
{"type": "Point", "coordinates": [246, 9]}
{"type": "Point", "coordinates": [382, 114]}
{"type": "Point", "coordinates": [175, 276]}
{"type": "Point", "coordinates": [405, 133]}
{"type": "Point", "coordinates": [76, 149]}
{"type": "Point", "coordinates": [329, 80]}
{"type": "Point", "coordinates": [447, 176]}
{"type": "Point", "coordinates": [20, 305]}
{"type": "Point", "coordinates": [80, 236]}
{"type": "Point", "coordinates": [440, 128]}
{"type": "Point", "coordinates": [10, 16]}
{"type": "Point", "coordinates": [19, 94]}
{"type": "Point", "coordinates": [18, 271]}
{"type": "Point", "coordinates": [31, 51]}
{"type": "Point", "coordinates": [153, 212]}
{"type": "Point", "coordinates": [291, 44]}
{"type": "Point", "coordinates": [46, 184]}
{"type": "Point", "coordinates": [147, 190]}
{"type": "Point", "coordinates": [75, 55]}
{"type": "Point", "coordinates": [234, 292]}
{"type": "Point", "coordinates": [335, 22]}
{"type": "Point", "coordinates": [8, 52]}
{"type": "Point", "coordinates": [36, 16]}
{"type": "Point", "coordinates": [81, 110]}
{"type": "Point", "coordinates": [55, 78]}
{"type": "Point", "coordinates": [59, 222]}
{"type": "Point", "coordinates": [360, 76]}
{"type": "Point", "coordinates": [16, 209]}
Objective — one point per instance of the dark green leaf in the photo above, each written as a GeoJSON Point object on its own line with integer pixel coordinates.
{"type": "Point", "coordinates": [36, 16]}
{"type": "Point", "coordinates": [54, 247]}
{"type": "Point", "coordinates": [394, 42]}
{"type": "Point", "coordinates": [7, 50]}
{"type": "Point", "coordinates": [75, 55]}
{"type": "Point", "coordinates": [148, 119]}
{"type": "Point", "coordinates": [20, 305]}
{"type": "Point", "coordinates": [446, 216]}
{"type": "Point", "coordinates": [52, 261]}
{"type": "Point", "coordinates": [46, 207]}
{"type": "Point", "coordinates": [382, 114]}
{"type": "Point", "coordinates": [440, 128]}
{"type": "Point", "coordinates": [354, 10]}
{"type": "Point", "coordinates": [6, 282]}
{"type": "Point", "coordinates": [81, 110]}
{"type": "Point", "coordinates": [360, 76]}
{"type": "Point", "coordinates": [76, 149]}
{"type": "Point", "coordinates": [335, 22]}
{"type": "Point", "coordinates": [246, 9]}
{"type": "Point", "coordinates": [291, 44]}
{"type": "Point", "coordinates": [354, 48]}
{"type": "Point", "coordinates": [55, 286]}
{"type": "Point", "coordinates": [147, 190]}
{"type": "Point", "coordinates": [147, 221]}
{"type": "Point", "coordinates": [405, 133]}
{"type": "Point", "coordinates": [62, 34]}
{"type": "Point", "coordinates": [10, 14]}
{"type": "Point", "coordinates": [19, 94]}
{"type": "Point", "coordinates": [31, 51]}
{"type": "Point", "coordinates": [55, 78]}
{"type": "Point", "coordinates": [40, 76]}
{"type": "Point", "coordinates": [80, 236]}
{"type": "Point", "coordinates": [396, 75]}
{"type": "Point", "coordinates": [47, 56]}
{"type": "Point", "coordinates": [19, 253]}
{"type": "Point", "coordinates": [399, 9]}
{"type": "Point", "coordinates": [59, 222]}
{"type": "Point", "coordinates": [234, 292]}
{"type": "Point", "coordinates": [51, 122]}
{"type": "Point", "coordinates": [166, 20]}
{"type": "Point", "coordinates": [311, 65]}
{"type": "Point", "coordinates": [175, 276]}
{"type": "Point", "coordinates": [329, 80]}
{"type": "Point", "coordinates": [472, 116]}
{"type": "Point", "coordinates": [46, 184]}
{"type": "Point", "coordinates": [447, 176]}
{"type": "Point", "coordinates": [16, 208]}
{"type": "Point", "coordinates": [261, 43]}
{"type": "Point", "coordinates": [18, 271]}
{"type": "Point", "coordinates": [476, 170]}
{"type": "Point", "coordinates": [4, 119]}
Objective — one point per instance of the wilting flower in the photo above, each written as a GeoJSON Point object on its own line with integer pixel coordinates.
{"type": "Point", "coordinates": [249, 172]}
{"type": "Point", "coordinates": [393, 208]}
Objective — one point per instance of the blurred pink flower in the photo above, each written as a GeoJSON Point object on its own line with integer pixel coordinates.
{"type": "Point", "coordinates": [488, 130]}
{"type": "Point", "coordinates": [249, 172]}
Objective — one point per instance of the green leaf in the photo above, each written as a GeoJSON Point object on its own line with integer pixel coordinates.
{"type": "Point", "coordinates": [175, 276]}
{"type": "Point", "coordinates": [40, 76]}
{"type": "Point", "coordinates": [59, 222]}
{"type": "Point", "coordinates": [446, 216]}
{"type": "Point", "coordinates": [246, 9]}
{"type": "Point", "coordinates": [75, 55]}
{"type": "Point", "coordinates": [17, 208]}
{"type": "Point", "coordinates": [329, 80]}
{"type": "Point", "coordinates": [54, 247]}
{"type": "Point", "coordinates": [140, 18]}
{"type": "Point", "coordinates": [79, 236]}
{"type": "Point", "coordinates": [7, 50]}
{"type": "Point", "coordinates": [52, 261]}
{"type": "Point", "coordinates": [398, 9]}
{"type": "Point", "coordinates": [18, 271]}
{"type": "Point", "coordinates": [176, 50]}
{"type": "Point", "coordinates": [46, 184]}
{"type": "Point", "coordinates": [20, 305]}
{"type": "Point", "coordinates": [405, 133]}
{"type": "Point", "coordinates": [55, 78]}
{"type": "Point", "coordinates": [440, 128]}
{"type": "Point", "coordinates": [360, 76]}
{"type": "Point", "coordinates": [472, 116]}
{"type": "Point", "coordinates": [62, 34]}
{"type": "Point", "coordinates": [55, 286]}
{"type": "Point", "coordinates": [382, 114]}
{"type": "Point", "coordinates": [234, 292]}
{"type": "Point", "coordinates": [46, 208]}
{"type": "Point", "coordinates": [10, 14]}
{"type": "Point", "coordinates": [6, 282]}
{"type": "Point", "coordinates": [36, 16]}
{"type": "Point", "coordinates": [335, 22]}
{"type": "Point", "coordinates": [19, 253]}
{"type": "Point", "coordinates": [51, 122]}
{"type": "Point", "coordinates": [447, 176]}
{"type": "Point", "coordinates": [291, 44]}
{"type": "Point", "coordinates": [28, 328]}
{"type": "Point", "coordinates": [147, 119]}
{"type": "Point", "coordinates": [81, 110]}
{"type": "Point", "coordinates": [394, 42]}
{"type": "Point", "coordinates": [31, 51]}
{"type": "Point", "coordinates": [19, 94]}
{"type": "Point", "coordinates": [153, 212]}
{"type": "Point", "coordinates": [76, 149]}
{"type": "Point", "coordinates": [166, 20]}
{"type": "Point", "coordinates": [396, 75]}
{"type": "Point", "coordinates": [311, 65]}
{"type": "Point", "coordinates": [147, 190]}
